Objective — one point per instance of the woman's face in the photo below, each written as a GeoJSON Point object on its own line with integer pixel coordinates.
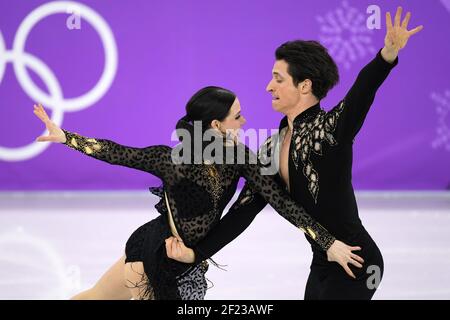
{"type": "Point", "coordinates": [232, 123]}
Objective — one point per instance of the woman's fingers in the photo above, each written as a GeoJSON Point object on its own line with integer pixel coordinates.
{"type": "Point", "coordinates": [37, 112]}
{"type": "Point", "coordinates": [349, 272]}
{"type": "Point", "coordinates": [44, 114]}
{"type": "Point", "coordinates": [47, 139]}
{"type": "Point", "coordinates": [355, 263]}
{"type": "Point", "coordinates": [40, 112]}
{"type": "Point", "coordinates": [356, 257]}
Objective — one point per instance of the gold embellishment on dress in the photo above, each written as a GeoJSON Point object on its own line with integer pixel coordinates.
{"type": "Point", "coordinates": [325, 239]}
{"type": "Point", "coordinates": [247, 196]}
{"type": "Point", "coordinates": [301, 228]}
{"type": "Point", "coordinates": [204, 265]}
{"type": "Point", "coordinates": [309, 136]}
{"type": "Point", "coordinates": [214, 182]}
{"type": "Point", "coordinates": [83, 144]}
{"type": "Point", "coordinates": [87, 150]}
{"type": "Point", "coordinates": [245, 199]}
{"type": "Point", "coordinates": [74, 142]}
{"type": "Point", "coordinates": [311, 233]}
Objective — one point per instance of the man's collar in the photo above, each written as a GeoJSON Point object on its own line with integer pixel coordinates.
{"type": "Point", "coordinates": [304, 116]}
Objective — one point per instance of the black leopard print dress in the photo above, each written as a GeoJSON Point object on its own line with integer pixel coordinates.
{"type": "Point", "coordinates": [197, 195]}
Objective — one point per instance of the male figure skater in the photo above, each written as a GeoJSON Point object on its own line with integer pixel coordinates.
{"type": "Point", "coordinates": [314, 151]}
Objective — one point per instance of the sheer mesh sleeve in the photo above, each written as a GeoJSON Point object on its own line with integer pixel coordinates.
{"type": "Point", "coordinates": [280, 200]}
{"type": "Point", "coordinates": [249, 203]}
{"type": "Point", "coordinates": [237, 219]}
{"type": "Point", "coordinates": [154, 159]}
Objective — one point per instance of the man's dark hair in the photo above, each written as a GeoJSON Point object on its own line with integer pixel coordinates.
{"type": "Point", "coordinates": [309, 60]}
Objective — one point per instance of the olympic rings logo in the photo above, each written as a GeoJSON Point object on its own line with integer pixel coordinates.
{"type": "Point", "coordinates": [55, 100]}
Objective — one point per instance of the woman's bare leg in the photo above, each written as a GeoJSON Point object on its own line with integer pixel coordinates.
{"type": "Point", "coordinates": [111, 286]}
{"type": "Point", "coordinates": [137, 281]}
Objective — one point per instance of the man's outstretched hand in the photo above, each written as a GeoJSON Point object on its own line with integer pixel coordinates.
{"type": "Point", "coordinates": [397, 35]}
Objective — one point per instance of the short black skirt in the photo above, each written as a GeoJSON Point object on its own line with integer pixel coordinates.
{"type": "Point", "coordinates": [167, 279]}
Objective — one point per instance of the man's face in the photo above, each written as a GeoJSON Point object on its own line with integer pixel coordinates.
{"type": "Point", "coordinates": [284, 94]}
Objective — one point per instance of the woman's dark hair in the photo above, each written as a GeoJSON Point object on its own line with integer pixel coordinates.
{"type": "Point", "coordinates": [207, 104]}
{"type": "Point", "coordinates": [309, 60]}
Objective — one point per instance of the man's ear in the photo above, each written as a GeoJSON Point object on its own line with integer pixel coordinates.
{"type": "Point", "coordinates": [305, 86]}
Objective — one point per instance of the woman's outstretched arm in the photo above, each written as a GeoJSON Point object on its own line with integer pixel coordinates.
{"type": "Point", "coordinates": [154, 159]}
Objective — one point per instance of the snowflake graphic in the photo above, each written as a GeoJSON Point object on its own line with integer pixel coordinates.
{"type": "Point", "coordinates": [446, 4]}
{"type": "Point", "coordinates": [345, 34]}
{"type": "Point", "coordinates": [443, 112]}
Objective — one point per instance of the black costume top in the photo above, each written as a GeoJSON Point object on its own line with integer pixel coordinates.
{"type": "Point", "coordinates": [198, 193]}
{"type": "Point", "coordinates": [320, 165]}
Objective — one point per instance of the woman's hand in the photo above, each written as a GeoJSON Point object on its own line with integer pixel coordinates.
{"type": "Point", "coordinates": [55, 132]}
{"type": "Point", "coordinates": [341, 253]}
{"type": "Point", "coordinates": [176, 250]}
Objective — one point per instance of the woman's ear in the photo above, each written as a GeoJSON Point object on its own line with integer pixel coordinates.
{"type": "Point", "coordinates": [215, 124]}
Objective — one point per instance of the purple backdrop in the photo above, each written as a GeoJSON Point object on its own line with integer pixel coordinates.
{"type": "Point", "coordinates": [168, 50]}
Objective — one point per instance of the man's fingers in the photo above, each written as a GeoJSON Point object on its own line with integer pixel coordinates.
{"type": "Point", "coordinates": [169, 246]}
{"type": "Point", "coordinates": [355, 248]}
{"type": "Point", "coordinates": [168, 249]}
{"type": "Point", "coordinates": [176, 248]}
{"type": "Point", "coordinates": [406, 20]}
{"type": "Point", "coordinates": [415, 30]}
{"type": "Point", "coordinates": [179, 239]}
{"type": "Point", "coordinates": [398, 15]}
{"type": "Point", "coordinates": [388, 21]}
{"type": "Point", "coordinates": [173, 245]}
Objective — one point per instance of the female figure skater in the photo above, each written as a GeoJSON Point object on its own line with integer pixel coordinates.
{"type": "Point", "coordinates": [314, 150]}
{"type": "Point", "coordinates": [193, 197]}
